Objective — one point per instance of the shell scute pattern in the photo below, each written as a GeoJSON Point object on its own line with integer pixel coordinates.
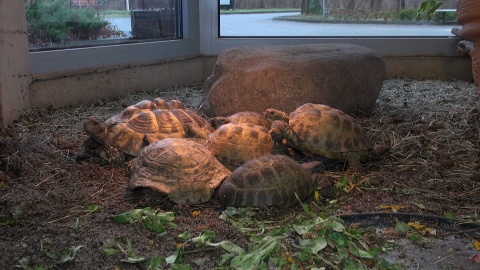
{"type": "Point", "coordinates": [234, 144]}
{"type": "Point", "coordinates": [321, 130]}
{"type": "Point", "coordinates": [266, 181]}
{"type": "Point", "coordinates": [181, 169]}
{"type": "Point", "coordinates": [242, 117]}
{"type": "Point", "coordinates": [146, 122]}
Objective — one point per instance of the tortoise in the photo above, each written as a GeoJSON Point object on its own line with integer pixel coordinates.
{"type": "Point", "coordinates": [241, 117]}
{"type": "Point", "coordinates": [234, 144]}
{"type": "Point", "coordinates": [144, 123]}
{"type": "Point", "coordinates": [181, 169]}
{"type": "Point", "coordinates": [267, 181]}
{"type": "Point", "coordinates": [322, 130]}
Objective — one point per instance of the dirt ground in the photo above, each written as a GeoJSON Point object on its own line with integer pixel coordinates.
{"type": "Point", "coordinates": [52, 198]}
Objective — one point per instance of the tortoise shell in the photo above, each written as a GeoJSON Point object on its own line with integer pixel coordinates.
{"type": "Point", "coordinates": [242, 117]}
{"type": "Point", "coordinates": [266, 181]}
{"type": "Point", "coordinates": [320, 130]}
{"type": "Point", "coordinates": [181, 169]}
{"type": "Point", "coordinates": [146, 122]}
{"type": "Point", "coordinates": [234, 144]}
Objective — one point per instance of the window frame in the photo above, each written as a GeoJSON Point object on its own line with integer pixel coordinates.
{"type": "Point", "coordinates": [201, 37]}
{"type": "Point", "coordinates": [51, 61]}
{"type": "Point", "coordinates": [211, 43]}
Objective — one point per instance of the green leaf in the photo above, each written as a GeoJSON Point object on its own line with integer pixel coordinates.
{"type": "Point", "coordinates": [148, 217]}
{"type": "Point", "coordinates": [70, 256]}
{"type": "Point", "coordinates": [314, 245]}
{"type": "Point", "coordinates": [449, 215]}
{"type": "Point", "coordinates": [13, 216]}
{"type": "Point", "coordinates": [231, 247]}
{"type": "Point", "coordinates": [337, 226]}
{"type": "Point", "coordinates": [155, 263]}
{"type": "Point", "coordinates": [134, 259]}
{"type": "Point", "coordinates": [93, 208]}
{"type": "Point", "coordinates": [359, 252]}
{"type": "Point", "coordinates": [76, 226]}
{"type": "Point", "coordinates": [204, 237]}
{"type": "Point", "coordinates": [175, 257]}
{"type": "Point", "coordinates": [123, 218]}
{"type": "Point", "coordinates": [110, 251]}
{"type": "Point", "coordinates": [401, 227]}
{"type": "Point", "coordinates": [200, 261]}
{"type": "Point", "coordinates": [339, 239]}
{"type": "Point", "coordinates": [253, 259]}
{"type": "Point", "coordinates": [319, 244]}
{"type": "Point", "coordinates": [305, 207]}
{"type": "Point", "coordinates": [302, 229]}
{"type": "Point", "coordinates": [168, 216]}
{"type": "Point", "coordinates": [180, 267]}
{"type": "Point", "coordinates": [154, 225]}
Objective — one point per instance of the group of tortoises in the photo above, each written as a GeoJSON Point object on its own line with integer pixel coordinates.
{"type": "Point", "coordinates": [245, 156]}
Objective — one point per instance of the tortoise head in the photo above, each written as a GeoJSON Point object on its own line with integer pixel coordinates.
{"type": "Point", "coordinates": [274, 114]}
{"type": "Point", "coordinates": [95, 129]}
{"type": "Point", "coordinates": [216, 122]}
{"type": "Point", "coordinates": [280, 131]}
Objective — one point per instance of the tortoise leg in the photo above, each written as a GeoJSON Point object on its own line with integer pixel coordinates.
{"type": "Point", "coordinates": [196, 131]}
{"type": "Point", "coordinates": [354, 161]}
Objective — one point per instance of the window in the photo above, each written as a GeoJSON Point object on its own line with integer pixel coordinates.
{"type": "Point", "coordinates": [336, 18]}
{"type": "Point", "coordinates": [60, 24]}
{"type": "Point", "coordinates": [214, 39]}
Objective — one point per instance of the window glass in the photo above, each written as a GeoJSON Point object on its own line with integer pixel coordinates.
{"type": "Point", "coordinates": [60, 24]}
{"type": "Point", "coordinates": [336, 18]}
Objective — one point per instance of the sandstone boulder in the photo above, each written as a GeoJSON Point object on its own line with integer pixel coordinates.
{"type": "Point", "coordinates": [254, 78]}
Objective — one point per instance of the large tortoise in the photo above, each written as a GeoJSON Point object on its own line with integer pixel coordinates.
{"type": "Point", "coordinates": [321, 130]}
{"type": "Point", "coordinates": [234, 144]}
{"type": "Point", "coordinates": [144, 123]}
{"type": "Point", "coordinates": [241, 117]}
{"type": "Point", "coordinates": [267, 181]}
{"type": "Point", "coordinates": [182, 169]}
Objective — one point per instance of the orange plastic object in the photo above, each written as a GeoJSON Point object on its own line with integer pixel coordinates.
{"type": "Point", "coordinates": [468, 15]}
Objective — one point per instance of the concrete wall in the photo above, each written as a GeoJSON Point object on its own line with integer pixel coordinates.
{"type": "Point", "coordinates": [83, 87]}
{"type": "Point", "coordinates": [14, 61]}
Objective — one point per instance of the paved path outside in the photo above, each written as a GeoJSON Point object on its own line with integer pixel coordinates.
{"type": "Point", "coordinates": [263, 24]}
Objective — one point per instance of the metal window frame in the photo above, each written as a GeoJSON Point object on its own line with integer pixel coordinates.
{"type": "Point", "coordinates": [211, 43]}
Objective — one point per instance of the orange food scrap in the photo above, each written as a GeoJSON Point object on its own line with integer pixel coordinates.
{"type": "Point", "coordinates": [394, 208]}
{"type": "Point", "coordinates": [476, 244]}
{"type": "Point", "coordinates": [415, 225]}
{"type": "Point", "coordinates": [196, 213]}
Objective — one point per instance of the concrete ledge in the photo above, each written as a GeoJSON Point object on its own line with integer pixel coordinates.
{"type": "Point", "coordinates": [423, 68]}
{"type": "Point", "coordinates": [83, 87]}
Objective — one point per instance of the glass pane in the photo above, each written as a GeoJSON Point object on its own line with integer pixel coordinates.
{"type": "Point", "coordinates": [60, 24]}
{"type": "Point", "coordinates": [336, 18]}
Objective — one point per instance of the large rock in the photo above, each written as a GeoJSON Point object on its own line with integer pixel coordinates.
{"type": "Point", "coordinates": [255, 78]}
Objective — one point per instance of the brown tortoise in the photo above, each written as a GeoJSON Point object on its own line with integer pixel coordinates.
{"type": "Point", "coordinates": [144, 123]}
{"type": "Point", "coordinates": [322, 130]}
{"type": "Point", "coordinates": [181, 169]}
{"type": "Point", "coordinates": [241, 117]}
{"type": "Point", "coordinates": [234, 144]}
{"type": "Point", "coordinates": [267, 181]}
